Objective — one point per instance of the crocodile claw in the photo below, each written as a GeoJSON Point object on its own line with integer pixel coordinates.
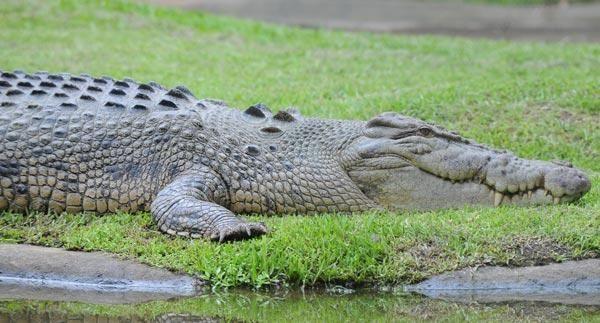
{"type": "Point", "coordinates": [239, 231]}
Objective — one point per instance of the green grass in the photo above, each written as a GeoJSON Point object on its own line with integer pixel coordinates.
{"type": "Point", "coordinates": [540, 100]}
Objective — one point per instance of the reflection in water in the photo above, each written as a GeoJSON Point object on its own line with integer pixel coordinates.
{"type": "Point", "coordinates": [307, 307]}
{"type": "Point", "coordinates": [49, 317]}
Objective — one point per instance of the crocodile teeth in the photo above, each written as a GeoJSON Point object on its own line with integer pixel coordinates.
{"type": "Point", "coordinates": [529, 193]}
{"type": "Point", "coordinates": [556, 200]}
{"type": "Point", "coordinates": [498, 198]}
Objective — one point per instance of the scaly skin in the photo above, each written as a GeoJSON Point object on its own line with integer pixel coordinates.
{"type": "Point", "coordinates": [79, 143]}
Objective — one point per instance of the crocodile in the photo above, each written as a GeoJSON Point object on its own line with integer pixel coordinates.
{"type": "Point", "coordinates": [78, 143]}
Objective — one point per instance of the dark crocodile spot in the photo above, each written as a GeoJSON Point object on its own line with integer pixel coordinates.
{"type": "Point", "coordinates": [197, 124]}
{"type": "Point", "coordinates": [284, 116]}
{"type": "Point", "coordinates": [145, 87]}
{"type": "Point", "coordinates": [139, 107]}
{"type": "Point", "coordinates": [288, 165]}
{"type": "Point", "coordinates": [37, 151]}
{"type": "Point", "coordinates": [60, 165]}
{"type": "Point", "coordinates": [60, 95]}
{"type": "Point", "coordinates": [21, 189]}
{"type": "Point", "coordinates": [7, 104]}
{"type": "Point", "coordinates": [47, 84]}
{"type": "Point", "coordinates": [167, 103]}
{"type": "Point", "coordinates": [121, 84]}
{"type": "Point", "coordinates": [32, 77]}
{"type": "Point", "coordinates": [77, 79]}
{"type": "Point", "coordinates": [68, 105]}
{"type": "Point", "coordinates": [100, 81]}
{"type": "Point", "coordinates": [94, 89]}
{"type": "Point", "coordinates": [114, 105]}
{"type": "Point", "coordinates": [117, 92]}
{"type": "Point", "coordinates": [177, 94]}
{"type": "Point", "coordinates": [15, 166]}
{"type": "Point", "coordinates": [8, 75]}
{"type": "Point", "coordinates": [156, 85]}
{"type": "Point", "coordinates": [271, 130]}
{"type": "Point", "coordinates": [55, 77]}
{"type": "Point", "coordinates": [88, 98]}
{"type": "Point", "coordinates": [252, 150]}
{"type": "Point", "coordinates": [272, 148]}
{"type": "Point", "coordinates": [68, 86]}
{"type": "Point", "coordinates": [38, 92]}
{"type": "Point", "coordinates": [201, 105]}
{"type": "Point", "coordinates": [14, 92]}
{"type": "Point", "coordinates": [185, 90]}
{"type": "Point", "coordinates": [33, 106]}
{"type": "Point", "coordinates": [60, 132]}
{"type": "Point", "coordinates": [72, 187]}
{"type": "Point", "coordinates": [142, 96]}
{"type": "Point", "coordinates": [24, 84]}
{"type": "Point", "coordinates": [3, 83]}
{"type": "Point", "coordinates": [258, 110]}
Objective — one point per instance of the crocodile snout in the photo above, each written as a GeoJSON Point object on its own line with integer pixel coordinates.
{"type": "Point", "coordinates": [534, 181]}
{"type": "Point", "coordinates": [564, 182]}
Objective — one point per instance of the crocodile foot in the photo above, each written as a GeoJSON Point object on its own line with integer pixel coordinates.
{"type": "Point", "coordinates": [239, 231]}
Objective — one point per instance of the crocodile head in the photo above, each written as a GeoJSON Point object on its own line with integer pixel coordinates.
{"type": "Point", "coordinates": [405, 163]}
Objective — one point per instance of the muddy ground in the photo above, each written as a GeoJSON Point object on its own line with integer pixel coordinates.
{"type": "Point", "coordinates": [32, 272]}
{"type": "Point", "coordinates": [571, 282]}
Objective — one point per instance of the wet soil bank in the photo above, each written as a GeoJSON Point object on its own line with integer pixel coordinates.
{"type": "Point", "coordinates": [40, 273]}
{"type": "Point", "coordinates": [571, 282]}
{"type": "Point", "coordinates": [575, 22]}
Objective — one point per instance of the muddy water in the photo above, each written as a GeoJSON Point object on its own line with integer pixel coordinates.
{"type": "Point", "coordinates": [321, 306]}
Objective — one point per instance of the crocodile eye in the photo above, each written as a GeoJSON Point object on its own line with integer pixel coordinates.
{"type": "Point", "coordinates": [425, 132]}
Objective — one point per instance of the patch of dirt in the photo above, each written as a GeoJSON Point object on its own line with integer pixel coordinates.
{"type": "Point", "coordinates": [535, 113]}
{"type": "Point", "coordinates": [534, 251]}
{"type": "Point", "coordinates": [433, 257]}
{"type": "Point", "coordinates": [425, 258]}
{"type": "Point", "coordinates": [427, 253]}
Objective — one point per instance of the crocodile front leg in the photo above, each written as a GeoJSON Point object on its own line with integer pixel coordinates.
{"type": "Point", "coordinates": [192, 206]}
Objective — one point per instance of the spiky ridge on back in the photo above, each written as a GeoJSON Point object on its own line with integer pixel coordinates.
{"type": "Point", "coordinates": [84, 91]}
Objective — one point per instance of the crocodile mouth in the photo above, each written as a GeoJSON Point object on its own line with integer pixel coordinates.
{"type": "Point", "coordinates": [404, 186]}
{"type": "Point", "coordinates": [534, 196]}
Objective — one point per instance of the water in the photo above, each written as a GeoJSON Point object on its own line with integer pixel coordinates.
{"type": "Point", "coordinates": [313, 306]}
